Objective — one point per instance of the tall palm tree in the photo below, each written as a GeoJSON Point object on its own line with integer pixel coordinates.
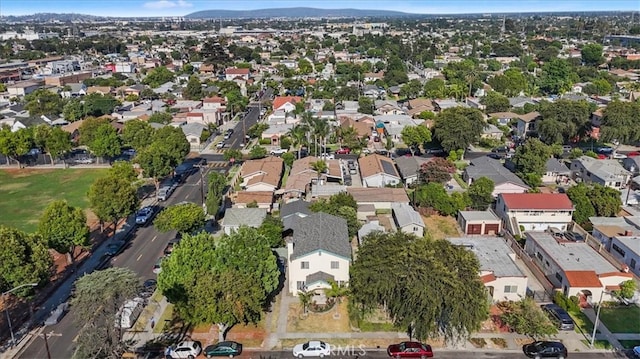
{"type": "Point", "coordinates": [305, 300]}
{"type": "Point", "coordinates": [298, 135]}
{"type": "Point", "coordinates": [321, 130]}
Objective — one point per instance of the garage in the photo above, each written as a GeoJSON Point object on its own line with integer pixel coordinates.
{"type": "Point", "coordinates": [474, 229]}
{"type": "Point", "coordinates": [492, 229]}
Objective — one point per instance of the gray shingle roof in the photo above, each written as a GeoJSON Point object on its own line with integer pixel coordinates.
{"type": "Point", "coordinates": [493, 254]}
{"type": "Point", "coordinates": [493, 170]}
{"type": "Point", "coordinates": [408, 166]}
{"type": "Point", "coordinates": [321, 231]}
{"type": "Point", "coordinates": [479, 216]}
{"type": "Point", "coordinates": [405, 215]}
{"type": "Point", "coordinates": [294, 207]}
{"type": "Point", "coordinates": [319, 277]}
{"type": "Point", "coordinates": [252, 217]}
{"type": "Point", "coordinates": [554, 165]}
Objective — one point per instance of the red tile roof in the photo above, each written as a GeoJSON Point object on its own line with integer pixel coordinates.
{"type": "Point", "coordinates": [281, 100]}
{"type": "Point", "coordinates": [540, 201]}
{"type": "Point", "coordinates": [236, 71]}
{"type": "Point", "coordinates": [215, 99]}
{"type": "Point", "coordinates": [487, 278]}
{"type": "Point", "coordinates": [583, 278]}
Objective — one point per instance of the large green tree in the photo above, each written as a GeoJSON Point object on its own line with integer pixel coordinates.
{"type": "Point", "coordinates": [43, 102]}
{"type": "Point", "coordinates": [415, 136]}
{"type": "Point", "coordinates": [525, 317]}
{"type": "Point", "coordinates": [64, 227]}
{"type": "Point", "coordinates": [621, 122]}
{"type": "Point", "coordinates": [24, 258]}
{"type": "Point", "coordinates": [97, 299]}
{"type": "Point", "coordinates": [168, 148]}
{"type": "Point", "coordinates": [458, 127]}
{"type": "Point", "coordinates": [563, 120]}
{"type": "Point", "coordinates": [193, 91]}
{"type": "Point", "coordinates": [216, 187]}
{"type": "Point", "coordinates": [341, 205]}
{"type": "Point", "coordinates": [433, 195]}
{"type": "Point", "coordinates": [557, 76]}
{"type": "Point", "coordinates": [112, 199]}
{"type": "Point", "coordinates": [430, 287]}
{"type": "Point", "coordinates": [14, 145]}
{"type": "Point", "coordinates": [481, 193]}
{"type": "Point", "coordinates": [511, 83]}
{"type": "Point", "coordinates": [592, 54]}
{"type": "Point", "coordinates": [531, 160]}
{"type": "Point", "coordinates": [137, 134]}
{"type": "Point", "coordinates": [88, 129]}
{"type": "Point", "coordinates": [184, 218]}
{"type": "Point", "coordinates": [158, 76]}
{"type": "Point", "coordinates": [96, 104]}
{"type": "Point", "coordinates": [106, 142]}
{"type": "Point", "coordinates": [496, 102]}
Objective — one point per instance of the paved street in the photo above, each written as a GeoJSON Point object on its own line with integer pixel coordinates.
{"type": "Point", "coordinates": [140, 256]}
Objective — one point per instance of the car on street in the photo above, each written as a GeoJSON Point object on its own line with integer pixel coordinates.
{"type": "Point", "coordinates": [148, 287]}
{"type": "Point", "coordinates": [223, 349]}
{"type": "Point", "coordinates": [495, 156]}
{"type": "Point", "coordinates": [410, 350]}
{"type": "Point", "coordinates": [636, 351]}
{"type": "Point", "coordinates": [144, 215]}
{"type": "Point", "coordinates": [114, 248]}
{"type": "Point", "coordinates": [343, 151]}
{"type": "Point", "coordinates": [327, 156]}
{"type": "Point", "coordinates": [312, 348]}
{"type": "Point", "coordinates": [187, 350]}
{"type": "Point", "coordinates": [57, 314]}
{"type": "Point", "coordinates": [220, 144]}
{"type": "Point", "coordinates": [278, 151]}
{"type": "Point", "coordinates": [171, 246]}
{"type": "Point", "coordinates": [559, 316]}
{"type": "Point", "coordinates": [633, 154]}
{"type": "Point", "coordinates": [84, 160]}
{"type": "Point", "coordinates": [545, 349]}
{"type": "Point", "coordinates": [618, 156]}
{"type": "Point", "coordinates": [157, 267]}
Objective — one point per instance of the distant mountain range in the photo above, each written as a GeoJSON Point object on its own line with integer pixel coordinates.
{"type": "Point", "coordinates": [295, 12]}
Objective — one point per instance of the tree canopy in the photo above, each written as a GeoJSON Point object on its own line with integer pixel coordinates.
{"type": "Point", "coordinates": [184, 218]}
{"type": "Point", "coordinates": [97, 299]}
{"type": "Point", "coordinates": [415, 136]}
{"type": "Point", "coordinates": [112, 199]}
{"type": "Point", "coordinates": [563, 120]}
{"type": "Point", "coordinates": [24, 258]}
{"type": "Point", "coordinates": [158, 76]}
{"type": "Point", "coordinates": [458, 127]}
{"type": "Point", "coordinates": [437, 170]}
{"type": "Point", "coordinates": [340, 205]}
{"type": "Point", "coordinates": [594, 200]}
{"type": "Point", "coordinates": [137, 134]}
{"type": "Point", "coordinates": [43, 102]}
{"type": "Point", "coordinates": [64, 227]}
{"type": "Point", "coordinates": [531, 161]}
{"type": "Point", "coordinates": [430, 286]}
{"type": "Point", "coordinates": [526, 317]}
{"type": "Point", "coordinates": [481, 193]}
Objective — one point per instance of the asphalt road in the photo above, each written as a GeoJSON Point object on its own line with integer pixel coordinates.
{"type": "Point", "coordinates": [140, 256]}
{"type": "Point", "coordinates": [251, 117]}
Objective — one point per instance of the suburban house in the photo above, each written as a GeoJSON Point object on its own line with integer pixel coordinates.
{"type": "Point", "coordinates": [409, 168]}
{"type": "Point", "coordinates": [521, 212]}
{"type": "Point", "coordinates": [380, 198]}
{"type": "Point", "coordinates": [378, 171]}
{"type": "Point", "coordinates": [286, 103]}
{"type": "Point", "coordinates": [262, 175]}
{"type": "Point", "coordinates": [407, 220]}
{"type": "Point", "coordinates": [234, 73]}
{"type": "Point", "coordinates": [607, 228]}
{"type": "Point", "coordinates": [214, 103]}
{"type": "Point", "coordinates": [575, 267]}
{"type": "Point", "coordinates": [498, 270]}
{"type": "Point", "coordinates": [504, 118]}
{"type": "Point", "coordinates": [291, 211]}
{"type": "Point", "coordinates": [526, 124]}
{"type": "Point", "coordinates": [492, 132]}
{"type": "Point", "coordinates": [608, 173]}
{"type": "Point", "coordinates": [555, 172]}
{"type": "Point", "coordinates": [302, 175]}
{"type": "Point", "coordinates": [632, 164]}
{"type": "Point", "coordinates": [626, 249]}
{"type": "Point", "coordinates": [504, 180]}
{"type": "Point", "coordinates": [193, 133]}
{"type": "Point", "coordinates": [318, 253]}
{"type": "Point", "coordinates": [479, 223]}
{"type": "Point", "coordinates": [263, 199]}
{"type": "Point", "coordinates": [234, 218]}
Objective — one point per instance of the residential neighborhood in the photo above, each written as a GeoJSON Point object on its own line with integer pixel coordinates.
{"type": "Point", "coordinates": [319, 182]}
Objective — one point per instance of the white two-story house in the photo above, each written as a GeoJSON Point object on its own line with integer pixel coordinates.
{"type": "Point", "coordinates": [318, 253]}
{"type": "Point", "coordinates": [522, 212]}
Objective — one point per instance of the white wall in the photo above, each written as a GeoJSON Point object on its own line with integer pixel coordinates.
{"type": "Point", "coordinates": [499, 286]}
{"type": "Point", "coordinates": [319, 261]}
{"type": "Point", "coordinates": [380, 180]}
{"type": "Point", "coordinates": [419, 231]}
{"type": "Point", "coordinates": [508, 188]}
{"type": "Point", "coordinates": [630, 255]}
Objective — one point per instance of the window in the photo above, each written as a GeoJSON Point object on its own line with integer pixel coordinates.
{"type": "Point", "coordinates": [618, 249]}
{"type": "Point", "coordinates": [300, 285]}
{"type": "Point", "coordinates": [632, 264]}
{"type": "Point", "coordinates": [510, 288]}
{"type": "Point", "coordinates": [546, 263]}
{"type": "Point", "coordinates": [335, 265]}
{"type": "Point", "coordinates": [539, 256]}
{"type": "Point", "coordinates": [558, 277]}
{"type": "Point", "coordinates": [304, 265]}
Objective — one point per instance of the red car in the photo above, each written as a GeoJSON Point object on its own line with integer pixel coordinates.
{"type": "Point", "coordinates": [343, 151]}
{"type": "Point", "coordinates": [633, 154]}
{"type": "Point", "coordinates": [410, 350]}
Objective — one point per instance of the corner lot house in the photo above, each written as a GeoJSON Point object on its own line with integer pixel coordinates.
{"type": "Point", "coordinates": [574, 267]}
{"type": "Point", "coordinates": [498, 269]}
{"type": "Point", "coordinates": [236, 217]}
{"type": "Point", "coordinates": [534, 211]}
{"type": "Point", "coordinates": [319, 253]}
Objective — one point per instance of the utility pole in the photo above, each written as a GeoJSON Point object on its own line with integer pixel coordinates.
{"type": "Point", "coordinates": [201, 166]}
{"type": "Point", "coordinates": [45, 336]}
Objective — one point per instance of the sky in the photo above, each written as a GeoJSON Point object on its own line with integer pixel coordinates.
{"type": "Point", "coordinates": [133, 8]}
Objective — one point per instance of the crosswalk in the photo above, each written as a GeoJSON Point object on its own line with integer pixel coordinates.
{"type": "Point", "coordinates": [217, 164]}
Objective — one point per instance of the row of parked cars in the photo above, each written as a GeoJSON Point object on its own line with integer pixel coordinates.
{"type": "Point", "coordinates": [190, 349]}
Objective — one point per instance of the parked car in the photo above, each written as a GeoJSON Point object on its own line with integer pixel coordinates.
{"type": "Point", "coordinates": [223, 349]}
{"type": "Point", "coordinates": [574, 237]}
{"type": "Point", "coordinates": [84, 160]}
{"type": "Point", "coordinates": [500, 149]}
{"type": "Point", "coordinates": [343, 151]}
{"type": "Point", "coordinates": [410, 350]}
{"type": "Point", "coordinates": [114, 248]}
{"type": "Point", "coordinates": [545, 349]}
{"type": "Point", "coordinates": [559, 316]}
{"type": "Point", "coordinates": [187, 349]}
{"type": "Point", "coordinates": [144, 215]}
{"type": "Point", "coordinates": [57, 314]}
{"type": "Point", "coordinates": [567, 148]}
{"type": "Point", "coordinates": [157, 267]}
{"type": "Point", "coordinates": [618, 156]}
{"type": "Point", "coordinates": [278, 151]}
{"type": "Point", "coordinates": [327, 156]}
{"type": "Point", "coordinates": [633, 154]}
{"type": "Point", "coordinates": [636, 351]}
{"type": "Point", "coordinates": [170, 246]}
{"type": "Point", "coordinates": [312, 348]}
{"type": "Point", "coordinates": [148, 287]}
{"type": "Point", "coordinates": [605, 150]}
{"type": "Point", "coordinates": [165, 192]}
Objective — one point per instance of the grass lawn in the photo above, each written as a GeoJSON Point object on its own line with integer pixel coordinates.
{"type": "Point", "coordinates": [598, 344]}
{"type": "Point", "coordinates": [582, 322]}
{"type": "Point", "coordinates": [440, 227]}
{"type": "Point", "coordinates": [629, 344]}
{"type": "Point", "coordinates": [325, 322]}
{"type": "Point", "coordinates": [164, 320]}
{"type": "Point", "coordinates": [26, 193]}
{"type": "Point", "coordinates": [619, 320]}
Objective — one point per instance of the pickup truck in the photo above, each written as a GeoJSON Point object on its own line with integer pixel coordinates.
{"type": "Point", "coordinates": [278, 151]}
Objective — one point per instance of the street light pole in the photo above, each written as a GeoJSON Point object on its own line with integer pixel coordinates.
{"type": "Point", "coordinates": [6, 308]}
{"type": "Point", "coordinates": [595, 325]}
{"type": "Point", "coordinates": [46, 336]}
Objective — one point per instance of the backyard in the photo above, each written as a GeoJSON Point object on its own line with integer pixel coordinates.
{"type": "Point", "coordinates": [26, 193]}
{"type": "Point", "coordinates": [617, 320]}
{"type": "Point", "coordinates": [440, 227]}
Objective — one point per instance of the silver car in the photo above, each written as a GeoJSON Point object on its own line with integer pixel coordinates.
{"type": "Point", "coordinates": [57, 314]}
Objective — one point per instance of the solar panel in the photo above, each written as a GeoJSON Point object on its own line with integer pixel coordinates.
{"type": "Point", "coordinates": [388, 168]}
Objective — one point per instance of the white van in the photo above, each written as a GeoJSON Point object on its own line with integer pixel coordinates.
{"type": "Point", "coordinates": [129, 313]}
{"type": "Point", "coordinates": [164, 193]}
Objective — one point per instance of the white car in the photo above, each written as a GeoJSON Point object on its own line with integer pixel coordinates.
{"type": "Point", "coordinates": [220, 144]}
{"type": "Point", "coordinates": [278, 151]}
{"type": "Point", "coordinates": [186, 349]}
{"type": "Point", "coordinates": [618, 156]}
{"type": "Point", "coordinates": [312, 348]}
{"type": "Point", "coordinates": [328, 156]}
{"type": "Point", "coordinates": [144, 215]}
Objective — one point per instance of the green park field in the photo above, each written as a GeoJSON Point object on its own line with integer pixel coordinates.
{"type": "Point", "coordinates": [24, 194]}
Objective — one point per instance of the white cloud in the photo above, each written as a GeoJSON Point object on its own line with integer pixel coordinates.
{"type": "Point", "coordinates": [166, 4]}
